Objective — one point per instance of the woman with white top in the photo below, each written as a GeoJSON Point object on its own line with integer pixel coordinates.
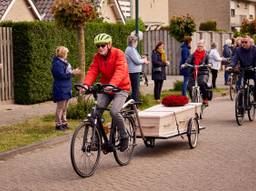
{"type": "Point", "coordinates": [215, 60]}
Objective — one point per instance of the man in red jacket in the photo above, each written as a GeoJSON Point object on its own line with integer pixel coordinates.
{"type": "Point", "coordinates": [111, 64]}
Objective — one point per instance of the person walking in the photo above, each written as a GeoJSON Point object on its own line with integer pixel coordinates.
{"type": "Point", "coordinates": [135, 64]}
{"type": "Point", "coordinates": [110, 64]}
{"type": "Point", "coordinates": [215, 61]}
{"type": "Point", "coordinates": [62, 85]}
{"type": "Point", "coordinates": [185, 53]}
{"type": "Point", "coordinates": [159, 64]}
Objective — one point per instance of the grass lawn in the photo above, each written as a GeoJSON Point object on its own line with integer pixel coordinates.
{"type": "Point", "coordinates": [42, 128]}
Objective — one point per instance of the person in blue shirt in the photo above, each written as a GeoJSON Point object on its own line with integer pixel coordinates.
{"type": "Point", "coordinates": [135, 64]}
{"type": "Point", "coordinates": [62, 85]}
{"type": "Point", "coordinates": [185, 53]}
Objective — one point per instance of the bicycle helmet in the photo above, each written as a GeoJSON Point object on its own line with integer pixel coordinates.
{"type": "Point", "coordinates": [102, 38]}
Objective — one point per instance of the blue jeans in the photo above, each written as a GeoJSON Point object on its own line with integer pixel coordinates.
{"type": "Point", "coordinates": [118, 99]}
{"type": "Point", "coordinates": [226, 76]}
{"type": "Point", "coordinates": [185, 85]}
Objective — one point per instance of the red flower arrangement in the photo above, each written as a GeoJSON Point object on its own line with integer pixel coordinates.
{"type": "Point", "coordinates": [73, 13]}
{"type": "Point", "coordinates": [174, 100]}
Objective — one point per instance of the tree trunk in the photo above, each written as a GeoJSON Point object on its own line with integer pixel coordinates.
{"type": "Point", "coordinates": [81, 52]}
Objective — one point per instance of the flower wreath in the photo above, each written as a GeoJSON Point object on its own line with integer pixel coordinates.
{"type": "Point", "coordinates": [174, 100]}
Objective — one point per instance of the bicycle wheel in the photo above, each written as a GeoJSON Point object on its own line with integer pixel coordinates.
{"type": "Point", "coordinates": [192, 132]}
{"type": "Point", "coordinates": [239, 108]}
{"type": "Point", "coordinates": [85, 153]}
{"type": "Point", "coordinates": [251, 110]}
{"type": "Point", "coordinates": [232, 88]}
{"type": "Point", "coordinates": [123, 158]}
{"type": "Point", "coordinates": [195, 95]}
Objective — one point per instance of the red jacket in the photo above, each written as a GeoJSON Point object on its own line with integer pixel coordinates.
{"type": "Point", "coordinates": [113, 70]}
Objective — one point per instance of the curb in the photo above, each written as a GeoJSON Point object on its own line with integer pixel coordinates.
{"type": "Point", "coordinates": [52, 141]}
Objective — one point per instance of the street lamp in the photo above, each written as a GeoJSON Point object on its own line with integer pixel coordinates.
{"type": "Point", "coordinates": [137, 18]}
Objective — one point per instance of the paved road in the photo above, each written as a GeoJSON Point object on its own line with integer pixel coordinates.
{"type": "Point", "coordinates": [223, 161]}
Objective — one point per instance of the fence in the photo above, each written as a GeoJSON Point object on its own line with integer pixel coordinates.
{"type": "Point", "coordinates": [172, 47]}
{"type": "Point", "coordinates": [6, 59]}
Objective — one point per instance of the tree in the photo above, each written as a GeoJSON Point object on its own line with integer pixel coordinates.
{"type": "Point", "coordinates": [73, 14]}
{"type": "Point", "coordinates": [181, 26]}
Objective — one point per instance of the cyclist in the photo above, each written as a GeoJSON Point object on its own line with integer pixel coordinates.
{"type": "Point", "coordinates": [245, 55]}
{"type": "Point", "coordinates": [199, 57]}
{"type": "Point", "coordinates": [111, 65]}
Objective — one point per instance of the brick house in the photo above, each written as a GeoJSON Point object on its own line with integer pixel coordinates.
{"type": "Point", "coordinates": [30, 10]}
{"type": "Point", "coordinates": [227, 13]}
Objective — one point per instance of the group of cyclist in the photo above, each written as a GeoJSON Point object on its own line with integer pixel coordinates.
{"type": "Point", "coordinates": [242, 55]}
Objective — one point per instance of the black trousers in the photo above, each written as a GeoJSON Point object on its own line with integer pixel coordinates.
{"type": "Point", "coordinates": [214, 77]}
{"type": "Point", "coordinates": [135, 82]}
{"type": "Point", "coordinates": [158, 84]}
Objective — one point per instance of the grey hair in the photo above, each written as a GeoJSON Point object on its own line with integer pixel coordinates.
{"type": "Point", "coordinates": [131, 39]}
{"type": "Point", "coordinates": [228, 42]}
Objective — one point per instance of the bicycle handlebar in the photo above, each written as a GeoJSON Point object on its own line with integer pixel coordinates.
{"type": "Point", "coordinates": [195, 66]}
{"type": "Point", "coordinates": [97, 88]}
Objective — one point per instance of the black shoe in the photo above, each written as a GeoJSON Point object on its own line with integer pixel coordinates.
{"type": "Point", "coordinates": [65, 126]}
{"type": "Point", "coordinates": [107, 147]}
{"type": "Point", "coordinates": [124, 143]}
{"type": "Point", "coordinates": [59, 128]}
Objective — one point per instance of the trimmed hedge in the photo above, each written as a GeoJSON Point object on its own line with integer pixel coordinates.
{"type": "Point", "coordinates": [208, 26]}
{"type": "Point", "coordinates": [34, 45]}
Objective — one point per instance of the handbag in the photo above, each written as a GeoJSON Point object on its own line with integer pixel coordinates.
{"type": "Point", "coordinates": [157, 69]}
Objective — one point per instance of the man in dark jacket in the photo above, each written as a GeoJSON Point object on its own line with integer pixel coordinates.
{"type": "Point", "coordinates": [246, 56]}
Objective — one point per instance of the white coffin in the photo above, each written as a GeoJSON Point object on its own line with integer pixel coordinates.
{"type": "Point", "coordinates": [161, 121]}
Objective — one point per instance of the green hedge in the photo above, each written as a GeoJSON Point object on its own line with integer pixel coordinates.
{"type": "Point", "coordinates": [34, 45]}
{"type": "Point", "coordinates": [208, 26]}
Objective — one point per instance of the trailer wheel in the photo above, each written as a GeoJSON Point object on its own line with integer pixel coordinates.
{"type": "Point", "coordinates": [149, 142]}
{"type": "Point", "coordinates": [192, 132]}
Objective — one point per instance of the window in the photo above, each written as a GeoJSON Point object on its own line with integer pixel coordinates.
{"type": "Point", "coordinates": [233, 12]}
{"type": "Point", "coordinates": [251, 17]}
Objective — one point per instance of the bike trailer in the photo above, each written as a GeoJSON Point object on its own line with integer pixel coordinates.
{"type": "Point", "coordinates": [163, 122]}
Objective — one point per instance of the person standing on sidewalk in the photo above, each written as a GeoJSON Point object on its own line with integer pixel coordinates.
{"type": "Point", "coordinates": [227, 53]}
{"type": "Point", "coordinates": [159, 64]}
{"type": "Point", "coordinates": [215, 61]}
{"type": "Point", "coordinates": [135, 63]}
{"type": "Point", "coordinates": [185, 53]}
{"type": "Point", "coordinates": [62, 85]}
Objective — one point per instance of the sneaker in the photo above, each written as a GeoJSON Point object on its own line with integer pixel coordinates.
{"type": "Point", "coordinates": [59, 128]}
{"type": "Point", "coordinates": [124, 143]}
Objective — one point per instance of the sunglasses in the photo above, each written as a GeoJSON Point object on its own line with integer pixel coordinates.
{"type": "Point", "coordinates": [244, 42]}
{"type": "Point", "coordinates": [101, 45]}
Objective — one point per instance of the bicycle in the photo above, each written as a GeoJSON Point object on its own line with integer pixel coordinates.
{"type": "Point", "coordinates": [89, 138]}
{"type": "Point", "coordinates": [245, 99]}
{"type": "Point", "coordinates": [232, 81]}
{"type": "Point", "coordinates": [196, 95]}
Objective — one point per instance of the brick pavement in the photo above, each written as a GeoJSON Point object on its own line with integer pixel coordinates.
{"type": "Point", "coordinates": [224, 160]}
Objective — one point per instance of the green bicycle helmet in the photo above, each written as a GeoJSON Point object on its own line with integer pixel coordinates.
{"type": "Point", "coordinates": [102, 38]}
